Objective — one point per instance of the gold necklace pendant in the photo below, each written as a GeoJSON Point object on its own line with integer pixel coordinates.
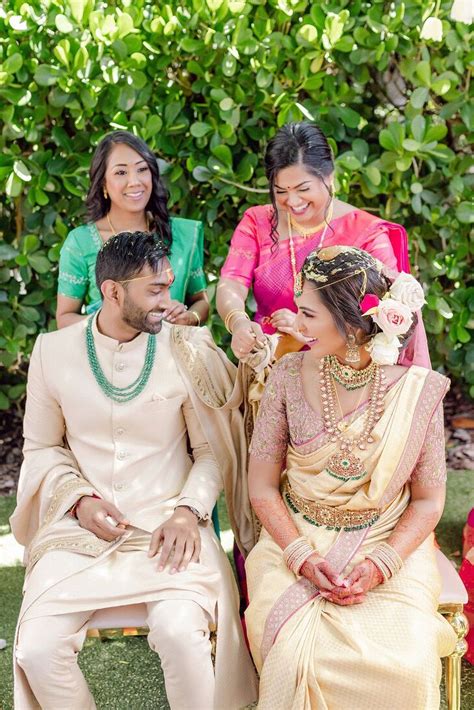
{"type": "Point", "coordinates": [345, 466]}
{"type": "Point", "coordinates": [114, 231]}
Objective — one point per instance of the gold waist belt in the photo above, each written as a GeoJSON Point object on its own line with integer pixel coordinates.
{"type": "Point", "coordinates": [326, 516]}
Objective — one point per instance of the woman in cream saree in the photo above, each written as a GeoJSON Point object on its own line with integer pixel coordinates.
{"type": "Point", "coordinates": [338, 618]}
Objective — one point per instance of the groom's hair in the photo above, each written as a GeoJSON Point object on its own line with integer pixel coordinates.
{"type": "Point", "coordinates": [124, 256]}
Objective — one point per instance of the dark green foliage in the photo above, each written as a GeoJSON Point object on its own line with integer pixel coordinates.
{"type": "Point", "coordinates": [206, 83]}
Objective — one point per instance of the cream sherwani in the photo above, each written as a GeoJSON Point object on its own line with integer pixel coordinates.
{"type": "Point", "coordinates": [136, 455]}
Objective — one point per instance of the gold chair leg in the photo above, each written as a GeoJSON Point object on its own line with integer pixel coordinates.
{"type": "Point", "coordinates": [453, 662]}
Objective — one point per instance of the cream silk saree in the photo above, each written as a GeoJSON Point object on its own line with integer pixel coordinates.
{"type": "Point", "coordinates": [383, 653]}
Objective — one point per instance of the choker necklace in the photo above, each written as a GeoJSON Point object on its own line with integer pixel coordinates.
{"type": "Point", "coordinates": [349, 378]}
{"type": "Point", "coordinates": [344, 464]}
{"type": "Point", "coordinates": [308, 231]}
{"type": "Point", "coordinates": [114, 231]}
{"type": "Point", "coordinates": [119, 394]}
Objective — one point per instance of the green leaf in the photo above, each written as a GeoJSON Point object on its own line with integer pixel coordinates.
{"type": "Point", "coordinates": [419, 97]}
{"type": "Point", "coordinates": [13, 63]}
{"type": "Point", "coordinates": [226, 104]}
{"type": "Point", "coordinates": [423, 72]}
{"type": "Point", "coordinates": [307, 34]}
{"type": "Point", "coordinates": [229, 65]}
{"type": "Point", "coordinates": [4, 402]}
{"type": "Point", "coordinates": [21, 170]}
{"type": "Point", "coordinates": [349, 161]}
{"type": "Point", "coordinates": [125, 25]}
{"type": "Point", "coordinates": [441, 86]}
{"type": "Point", "coordinates": [411, 145]}
{"type": "Point", "coordinates": [200, 129]}
{"type": "Point", "coordinates": [13, 186]}
{"type": "Point", "coordinates": [223, 154]}
{"type": "Point", "coordinates": [373, 174]}
{"type": "Point", "coordinates": [77, 9]}
{"type": "Point", "coordinates": [202, 174]}
{"type": "Point", "coordinates": [418, 126]}
{"type": "Point", "coordinates": [46, 75]}
{"type": "Point", "coordinates": [63, 24]}
{"type": "Point", "coordinates": [126, 98]}
{"type": "Point", "coordinates": [7, 252]}
{"type": "Point", "coordinates": [465, 212]}
{"type": "Point", "coordinates": [349, 117]}
{"type": "Point", "coordinates": [39, 263]}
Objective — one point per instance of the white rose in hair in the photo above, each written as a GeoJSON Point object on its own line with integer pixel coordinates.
{"type": "Point", "coordinates": [384, 349]}
{"type": "Point", "coordinates": [408, 291]}
{"type": "Point", "coordinates": [392, 317]}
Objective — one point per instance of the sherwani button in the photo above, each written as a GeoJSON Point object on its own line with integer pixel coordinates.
{"type": "Point", "coordinates": [121, 455]}
{"type": "Point", "coordinates": [119, 486]}
{"type": "Point", "coordinates": [120, 366]}
{"type": "Point", "coordinates": [120, 431]}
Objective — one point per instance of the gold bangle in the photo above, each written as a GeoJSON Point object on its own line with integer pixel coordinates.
{"type": "Point", "coordinates": [230, 315]}
{"type": "Point", "coordinates": [198, 317]}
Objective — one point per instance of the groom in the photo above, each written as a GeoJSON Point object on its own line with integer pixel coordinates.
{"type": "Point", "coordinates": [130, 434]}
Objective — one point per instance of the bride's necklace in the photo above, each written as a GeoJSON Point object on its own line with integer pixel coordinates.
{"type": "Point", "coordinates": [115, 231]}
{"type": "Point", "coordinates": [344, 464]}
{"type": "Point", "coordinates": [348, 377]}
{"type": "Point", "coordinates": [297, 281]}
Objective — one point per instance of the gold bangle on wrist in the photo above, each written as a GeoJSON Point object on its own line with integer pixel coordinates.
{"type": "Point", "coordinates": [197, 316]}
{"type": "Point", "coordinates": [230, 315]}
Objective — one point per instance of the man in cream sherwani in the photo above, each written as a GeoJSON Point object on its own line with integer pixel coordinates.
{"type": "Point", "coordinates": [113, 508]}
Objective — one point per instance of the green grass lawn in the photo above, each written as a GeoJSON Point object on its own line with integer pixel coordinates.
{"type": "Point", "coordinates": [124, 674]}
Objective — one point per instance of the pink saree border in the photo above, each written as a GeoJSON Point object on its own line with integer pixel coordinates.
{"type": "Point", "coordinates": [348, 543]}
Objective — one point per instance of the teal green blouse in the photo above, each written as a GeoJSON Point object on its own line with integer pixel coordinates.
{"type": "Point", "coordinates": [81, 246]}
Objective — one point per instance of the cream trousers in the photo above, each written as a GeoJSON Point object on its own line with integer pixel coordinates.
{"type": "Point", "coordinates": [179, 632]}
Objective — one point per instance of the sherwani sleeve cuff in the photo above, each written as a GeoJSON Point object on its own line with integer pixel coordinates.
{"type": "Point", "coordinates": [196, 504]}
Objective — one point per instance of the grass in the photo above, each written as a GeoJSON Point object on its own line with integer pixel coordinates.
{"type": "Point", "coordinates": [124, 674]}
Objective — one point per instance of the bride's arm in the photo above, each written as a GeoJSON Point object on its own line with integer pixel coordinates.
{"type": "Point", "coordinates": [264, 491]}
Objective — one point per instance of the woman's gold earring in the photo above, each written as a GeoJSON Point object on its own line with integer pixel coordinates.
{"type": "Point", "coordinates": [352, 352]}
{"type": "Point", "coordinates": [106, 194]}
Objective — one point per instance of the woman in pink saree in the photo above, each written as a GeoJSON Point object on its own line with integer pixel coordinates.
{"type": "Point", "coordinates": [303, 216]}
{"type": "Point", "coordinates": [347, 476]}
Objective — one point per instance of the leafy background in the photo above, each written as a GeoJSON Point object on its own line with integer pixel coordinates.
{"type": "Point", "coordinates": [206, 83]}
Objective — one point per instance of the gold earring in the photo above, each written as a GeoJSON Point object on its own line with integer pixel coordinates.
{"type": "Point", "coordinates": [352, 352]}
{"type": "Point", "coordinates": [106, 194]}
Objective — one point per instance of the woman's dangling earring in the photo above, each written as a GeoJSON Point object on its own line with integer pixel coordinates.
{"type": "Point", "coordinates": [106, 194]}
{"type": "Point", "coordinates": [352, 352]}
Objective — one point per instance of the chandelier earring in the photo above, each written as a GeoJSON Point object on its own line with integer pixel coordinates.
{"type": "Point", "coordinates": [106, 194]}
{"type": "Point", "coordinates": [352, 351]}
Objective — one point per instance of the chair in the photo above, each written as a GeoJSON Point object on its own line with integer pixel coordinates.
{"type": "Point", "coordinates": [131, 621]}
{"type": "Point", "coordinates": [451, 603]}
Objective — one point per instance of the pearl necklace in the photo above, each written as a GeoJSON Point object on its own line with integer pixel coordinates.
{"type": "Point", "coordinates": [345, 465]}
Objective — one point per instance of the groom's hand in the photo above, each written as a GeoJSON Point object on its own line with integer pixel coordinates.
{"type": "Point", "coordinates": [101, 518]}
{"type": "Point", "coordinates": [179, 539]}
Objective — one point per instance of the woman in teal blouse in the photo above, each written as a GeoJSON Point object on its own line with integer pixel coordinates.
{"type": "Point", "coordinates": [126, 194]}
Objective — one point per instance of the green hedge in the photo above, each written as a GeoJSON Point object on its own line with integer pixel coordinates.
{"type": "Point", "coordinates": [206, 83]}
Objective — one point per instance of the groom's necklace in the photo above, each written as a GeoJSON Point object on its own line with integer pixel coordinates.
{"type": "Point", "coordinates": [119, 394]}
{"type": "Point", "coordinates": [344, 464]}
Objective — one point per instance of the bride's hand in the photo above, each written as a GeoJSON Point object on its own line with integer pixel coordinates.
{"type": "Point", "coordinates": [364, 577]}
{"type": "Point", "coordinates": [320, 573]}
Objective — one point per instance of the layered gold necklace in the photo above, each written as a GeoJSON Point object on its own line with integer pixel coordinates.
{"type": "Point", "coordinates": [304, 232]}
{"type": "Point", "coordinates": [345, 465]}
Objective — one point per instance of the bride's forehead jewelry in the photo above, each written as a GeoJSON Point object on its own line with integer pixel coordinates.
{"type": "Point", "coordinates": [331, 265]}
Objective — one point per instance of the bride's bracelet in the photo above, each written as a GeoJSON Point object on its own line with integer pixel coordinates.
{"type": "Point", "coordinates": [296, 554]}
{"type": "Point", "coordinates": [386, 559]}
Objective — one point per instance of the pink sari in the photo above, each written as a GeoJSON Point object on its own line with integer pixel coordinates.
{"type": "Point", "coordinates": [252, 262]}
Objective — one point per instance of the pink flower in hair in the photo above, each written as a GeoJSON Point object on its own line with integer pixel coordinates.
{"type": "Point", "coordinates": [368, 303]}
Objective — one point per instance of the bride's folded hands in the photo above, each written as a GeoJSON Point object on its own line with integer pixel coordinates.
{"type": "Point", "coordinates": [319, 571]}
{"type": "Point", "coordinates": [364, 577]}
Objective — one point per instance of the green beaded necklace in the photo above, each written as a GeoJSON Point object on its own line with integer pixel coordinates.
{"type": "Point", "coordinates": [119, 394]}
